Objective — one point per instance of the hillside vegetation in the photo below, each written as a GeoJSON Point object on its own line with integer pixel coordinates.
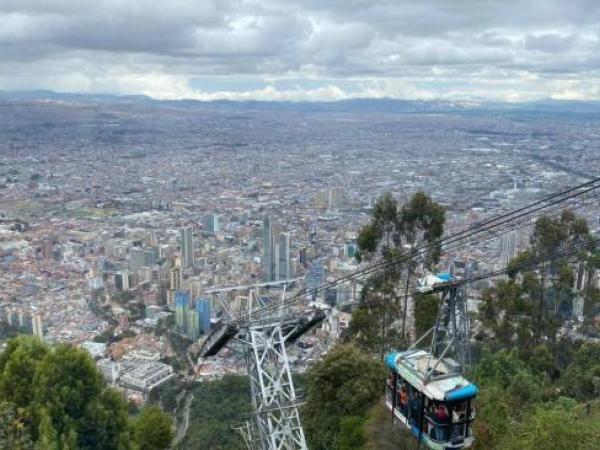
{"type": "Point", "coordinates": [53, 398]}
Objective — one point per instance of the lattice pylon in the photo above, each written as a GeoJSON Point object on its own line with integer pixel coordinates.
{"type": "Point", "coordinates": [451, 330]}
{"type": "Point", "coordinates": [273, 396]}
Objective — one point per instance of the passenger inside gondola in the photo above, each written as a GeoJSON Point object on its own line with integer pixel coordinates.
{"type": "Point", "coordinates": [414, 404]}
{"type": "Point", "coordinates": [403, 399]}
{"type": "Point", "coordinates": [441, 418]}
{"type": "Point", "coordinates": [459, 415]}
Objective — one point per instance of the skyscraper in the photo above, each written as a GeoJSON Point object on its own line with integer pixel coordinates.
{"type": "Point", "coordinates": [267, 259]}
{"type": "Point", "coordinates": [284, 257]}
{"type": "Point", "coordinates": [276, 261]}
{"type": "Point", "coordinates": [315, 278]}
{"type": "Point", "coordinates": [193, 324]}
{"type": "Point", "coordinates": [182, 301]}
{"type": "Point", "coordinates": [38, 326]}
{"type": "Point", "coordinates": [203, 308]}
{"type": "Point", "coordinates": [137, 258]}
{"type": "Point", "coordinates": [508, 247]}
{"type": "Point", "coordinates": [210, 222]}
{"type": "Point", "coordinates": [175, 278]}
{"type": "Point", "coordinates": [187, 247]}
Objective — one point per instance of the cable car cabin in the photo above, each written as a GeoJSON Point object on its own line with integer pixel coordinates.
{"type": "Point", "coordinates": [428, 283]}
{"type": "Point", "coordinates": [439, 412]}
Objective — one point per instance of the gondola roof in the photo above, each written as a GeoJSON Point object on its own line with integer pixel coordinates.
{"type": "Point", "coordinates": [447, 386]}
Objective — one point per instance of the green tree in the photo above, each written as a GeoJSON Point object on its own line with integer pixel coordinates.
{"type": "Point", "coordinates": [217, 405]}
{"type": "Point", "coordinates": [394, 234]}
{"type": "Point", "coordinates": [529, 304]}
{"type": "Point", "coordinates": [557, 427]}
{"type": "Point", "coordinates": [154, 429]}
{"type": "Point", "coordinates": [60, 398]}
{"type": "Point", "coordinates": [18, 365]}
{"type": "Point", "coordinates": [422, 223]}
{"type": "Point", "coordinates": [426, 310]}
{"type": "Point", "coordinates": [352, 435]}
{"type": "Point", "coordinates": [340, 388]}
{"type": "Point", "coordinates": [14, 432]}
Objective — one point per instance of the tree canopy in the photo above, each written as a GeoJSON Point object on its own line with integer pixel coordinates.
{"type": "Point", "coordinates": [340, 390]}
{"type": "Point", "coordinates": [53, 398]}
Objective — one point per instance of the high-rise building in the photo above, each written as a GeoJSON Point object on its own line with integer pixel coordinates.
{"type": "Point", "coordinates": [284, 265]}
{"type": "Point", "coordinates": [315, 278]}
{"type": "Point", "coordinates": [267, 258]}
{"type": "Point", "coordinates": [581, 276]}
{"type": "Point", "coordinates": [187, 247]}
{"type": "Point", "coordinates": [122, 280]}
{"type": "Point", "coordinates": [276, 260]}
{"type": "Point", "coordinates": [175, 278]}
{"type": "Point", "coordinates": [137, 258]}
{"type": "Point", "coordinates": [508, 247]}
{"type": "Point", "coordinates": [182, 303]}
{"type": "Point", "coordinates": [38, 326]}
{"type": "Point", "coordinates": [193, 324]}
{"type": "Point", "coordinates": [210, 222]}
{"type": "Point", "coordinates": [203, 308]}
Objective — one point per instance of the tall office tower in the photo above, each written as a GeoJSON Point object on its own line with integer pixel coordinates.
{"type": "Point", "coordinates": [150, 238]}
{"type": "Point", "coordinates": [210, 222]}
{"type": "Point", "coordinates": [315, 278]}
{"type": "Point", "coordinates": [150, 256]}
{"type": "Point", "coordinates": [581, 276]}
{"type": "Point", "coordinates": [175, 278]}
{"type": "Point", "coordinates": [203, 308]}
{"type": "Point", "coordinates": [187, 247]}
{"type": "Point", "coordinates": [275, 263]}
{"type": "Point", "coordinates": [38, 326]}
{"type": "Point", "coordinates": [182, 303]}
{"type": "Point", "coordinates": [284, 257]}
{"type": "Point", "coordinates": [192, 330]}
{"type": "Point", "coordinates": [508, 247]}
{"type": "Point", "coordinates": [267, 258]}
{"type": "Point", "coordinates": [137, 258]}
{"type": "Point", "coordinates": [122, 280]}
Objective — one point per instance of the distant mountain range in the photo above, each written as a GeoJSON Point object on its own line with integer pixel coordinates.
{"type": "Point", "coordinates": [364, 105]}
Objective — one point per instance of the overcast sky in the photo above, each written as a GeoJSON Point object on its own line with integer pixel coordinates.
{"type": "Point", "coordinates": [304, 49]}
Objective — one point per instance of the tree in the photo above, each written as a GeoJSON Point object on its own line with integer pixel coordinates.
{"type": "Point", "coordinates": [340, 389]}
{"type": "Point", "coordinates": [539, 291]}
{"type": "Point", "coordinates": [426, 310]}
{"type": "Point", "coordinates": [394, 234]}
{"type": "Point", "coordinates": [217, 405]}
{"type": "Point", "coordinates": [59, 398]}
{"type": "Point", "coordinates": [558, 427]}
{"type": "Point", "coordinates": [380, 240]}
{"type": "Point", "coordinates": [422, 223]}
{"type": "Point", "coordinates": [14, 433]}
{"type": "Point", "coordinates": [18, 365]}
{"type": "Point", "coordinates": [154, 429]}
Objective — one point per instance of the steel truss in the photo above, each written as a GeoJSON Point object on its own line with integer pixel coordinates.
{"type": "Point", "coordinates": [451, 329]}
{"type": "Point", "coordinates": [276, 418]}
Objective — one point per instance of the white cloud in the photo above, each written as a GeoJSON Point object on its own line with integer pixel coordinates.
{"type": "Point", "coordinates": [501, 50]}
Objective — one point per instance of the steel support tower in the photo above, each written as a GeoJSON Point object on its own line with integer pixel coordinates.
{"type": "Point", "coordinates": [451, 329]}
{"type": "Point", "coordinates": [449, 336]}
{"type": "Point", "coordinates": [262, 339]}
{"type": "Point", "coordinates": [276, 416]}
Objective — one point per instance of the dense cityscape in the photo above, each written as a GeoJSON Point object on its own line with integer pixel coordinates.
{"type": "Point", "coordinates": [126, 223]}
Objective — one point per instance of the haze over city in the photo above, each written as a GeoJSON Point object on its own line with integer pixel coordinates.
{"type": "Point", "coordinates": [321, 225]}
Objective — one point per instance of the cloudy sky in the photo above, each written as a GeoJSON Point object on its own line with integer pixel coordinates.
{"type": "Point", "coordinates": [304, 49]}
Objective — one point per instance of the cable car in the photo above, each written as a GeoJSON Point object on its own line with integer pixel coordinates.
{"type": "Point", "coordinates": [431, 398]}
{"type": "Point", "coordinates": [428, 282]}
